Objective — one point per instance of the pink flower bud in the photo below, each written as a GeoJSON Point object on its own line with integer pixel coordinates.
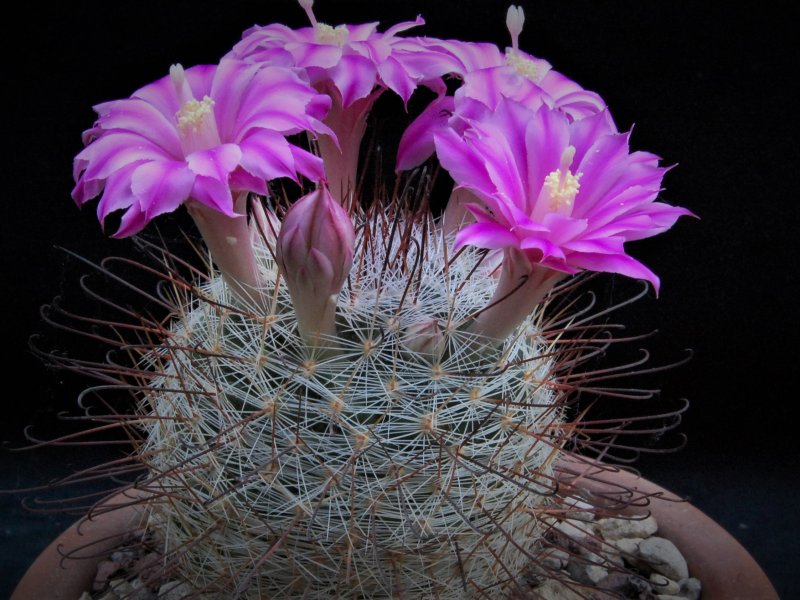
{"type": "Point", "coordinates": [425, 338]}
{"type": "Point", "coordinates": [315, 253]}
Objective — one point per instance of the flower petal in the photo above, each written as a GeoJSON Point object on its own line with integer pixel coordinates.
{"type": "Point", "coordinates": [307, 164]}
{"type": "Point", "coordinates": [486, 235]}
{"type": "Point", "coordinates": [267, 154]}
{"type": "Point", "coordinates": [396, 78]}
{"type": "Point", "coordinates": [214, 194]}
{"type": "Point", "coordinates": [117, 193]}
{"type": "Point", "coordinates": [142, 118]}
{"type": "Point", "coordinates": [465, 166]}
{"type": "Point", "coordinates": [132, 222]}
{"type": "Point", "coordinates": [217, 162]}
{"type": "Point", "coordinates": [242, 181]}
{"type": "Point", "coordinates": [114, 151]}
{"type": "Point", "coordinates": [161, 186]}
{"type": "Point", "coordinates": [228, 90]}
{"type": "Point", "coordinates": [616, 263]}
{"type": "Point", "coordinates": [354, 76]}
{"type": "Point", "coordinates": [417, 144]}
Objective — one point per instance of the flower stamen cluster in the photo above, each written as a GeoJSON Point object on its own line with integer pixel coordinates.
{"type": "Point", "coordinates": [562, 185]}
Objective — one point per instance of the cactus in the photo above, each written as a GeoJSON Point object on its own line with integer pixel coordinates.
{"type": "Point", "coordinates": [374, 471]}
{"type": "Point", "coordinates": [360, 401]}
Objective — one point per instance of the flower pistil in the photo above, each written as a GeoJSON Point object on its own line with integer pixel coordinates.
{"type": "Point", "coordinates": [197, 125]}
{"type": "Point", "coordinates": [528, 68]}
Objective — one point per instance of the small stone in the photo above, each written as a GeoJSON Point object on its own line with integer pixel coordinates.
{"type": "Point", "coordinates": [555, 590]}
{"type": "Point", "coordinates": [85, 596]}
{"type": "Point", "coordinates": [606, 556]}
{"type": "Point", "coordinates": [574, 530]}
{"type": "Point", "coordinates": [174, 590]}
{"type": "Point", "coordinates": [669, 597]}
{"type": "Point", "coordinates": [123, 556]}
{"type": "Point", "coordinates": [148, 567]}
{"type": "Point", "coordinates": [614, 528]}
{"type": "Point", "coordinates": [121, 587]}
{"type": "Point", "coordinates": [141, 590]}
{"type": "Point", "coordinates": [616, 582]}
{"type": "Point", "coordinates": [579, 510]}
{"type": "Point", "coordinates": [555, 559]}
{"type": "Point", "coordinates": [663, 584]}
{"type": "Point", "coordinates": [690, 588]}
{"type": "Point", "coordinates": [105, 571]}
{"type": "Point", "coordinates": [130, 590]}
{"type": "Point", "coordinates": [628, 546]}
{"type": "Point", "coordinates": [595, 574]}
{"type": "Point", "coordinates": [640, 586]}
{"type": "Point", "coordinates": [664, 557]}
{"type": "Point", "coordinates": [586, 572]}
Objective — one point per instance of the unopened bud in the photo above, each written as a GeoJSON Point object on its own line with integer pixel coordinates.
{"type": "Point", "coordinates": [425, 338]}
{"type": "Point", "coordinates": [315, 252]}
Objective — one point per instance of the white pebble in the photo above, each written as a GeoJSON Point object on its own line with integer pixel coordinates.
{"type": "Point", "coordinates": [691, 588]}
{"type": "Point", "coordinates": [586, 572]}
{"type": "Point", "coordinates": [555, 559]}
{"type": "Point", "coordinates": [555, 590]}
{"type": "Point", "coordinates": [664, 557]}
{"type": "Point", "coordinates": [580, 510]}
{"type": "Point", "coordinates": [614, 529]}
{"type": "Point", "coordinates": [627, 546]}
{"type": "Point", "coordinates": [174, 590]}
{"type": "Point", "coordinates": [663, 584]}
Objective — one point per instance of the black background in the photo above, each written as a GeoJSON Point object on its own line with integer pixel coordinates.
{"type": "Point", "coordinates": [707, 88]}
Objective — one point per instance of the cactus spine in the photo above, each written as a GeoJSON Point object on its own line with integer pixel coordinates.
{"type": "Point", "coordinates": [374, 471]}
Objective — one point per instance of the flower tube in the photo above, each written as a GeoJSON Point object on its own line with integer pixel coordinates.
{"type": "Point", "coordinates": [315, 252]}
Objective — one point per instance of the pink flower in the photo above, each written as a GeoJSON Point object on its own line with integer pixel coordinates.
{"type": "Point", "coordinates": [353, 64]}
{"type": "Point", "coordinates": [488, 77]}
{"type": "Point", "coordinates": [203, 134]}
{"type": "Point", "coordinates": [568, 194]}
{"type": "Point", "coordinates": [315, 252]}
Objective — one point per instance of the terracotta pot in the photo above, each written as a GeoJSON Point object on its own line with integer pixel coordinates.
{"type": "Point", "coordinates": [724, 567]}
{"type": "Point", "coordinates": [67, 567]}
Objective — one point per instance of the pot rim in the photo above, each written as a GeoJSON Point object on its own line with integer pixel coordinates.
{"type": "Point", "coordinates": [723, 566]}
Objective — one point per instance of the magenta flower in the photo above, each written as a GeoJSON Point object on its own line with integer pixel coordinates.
{"type": "Point", "coordinates": [315, 252]}
{"type": "Point", "coordinates": [567, 194]}
{"type": "Point", "coordinates": [488, 77]}
{"type": "Point", "coordinates": [205, 137]}
{"type": "Point", "coordinates": [353, 64]}
{"type": "Point", "coordinates": [567, 96]}
{"type": "Point", "coordinates": [203, 134]}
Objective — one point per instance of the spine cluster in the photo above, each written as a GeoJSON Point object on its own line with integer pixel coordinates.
{"type": "Point", "coordinates": [370, 471]}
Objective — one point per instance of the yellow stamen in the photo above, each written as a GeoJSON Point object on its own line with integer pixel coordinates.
{"type": "Point", "coordinates": [192, 114]}
{"type": "Point", "coordinates": [562, 185]}
{"type": "Point", "coordinates": [325, 34]}
{"type": "Point", "coordinates": [524, 66]}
